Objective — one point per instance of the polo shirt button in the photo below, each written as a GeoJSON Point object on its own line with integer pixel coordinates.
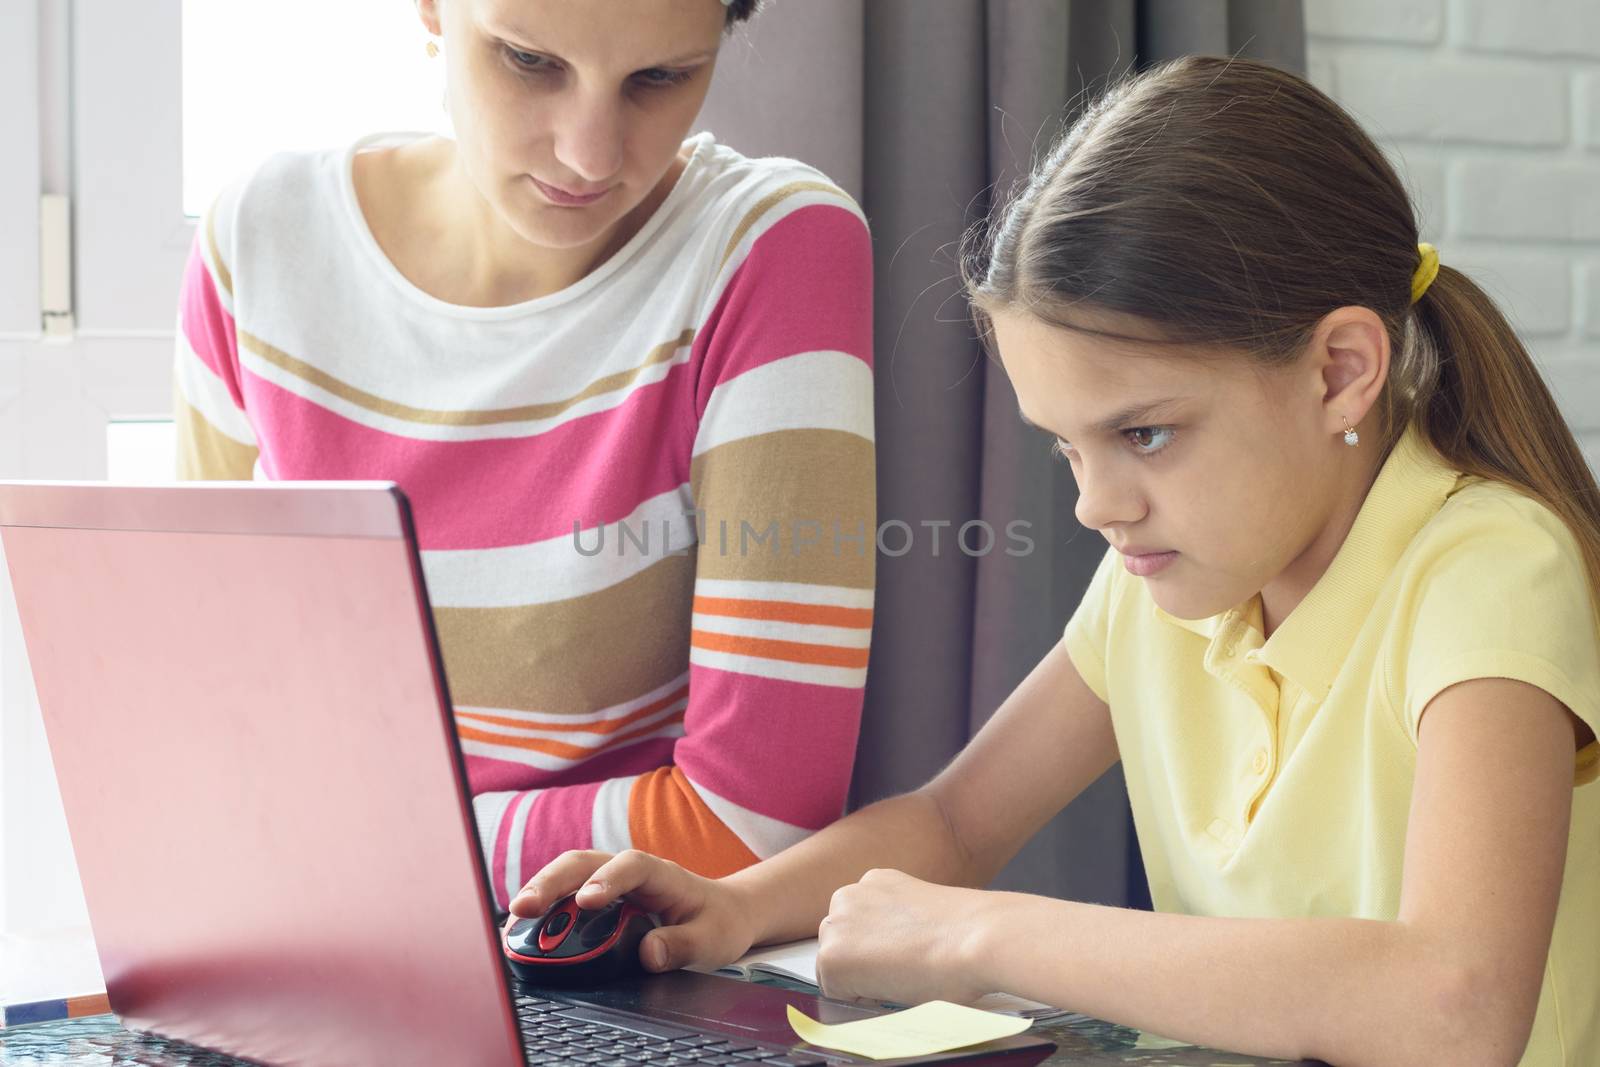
{"type": "Point", "coordinates": [1259, 764]}
{"type": "Point", "coordinates": [1230, 650]}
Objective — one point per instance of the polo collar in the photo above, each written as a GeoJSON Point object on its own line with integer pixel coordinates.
{"type": "Point", "coordinates": [1311, 644]}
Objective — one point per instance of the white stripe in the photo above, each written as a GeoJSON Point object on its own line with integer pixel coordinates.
{"type": "Point", "coordinates": [487, 810]}
{"type": "Point", "coordinates": [809, 391]}
{"type": "Point", "coordinates": [428, 431]}
{"type": "Point", "coordinates": [837, 636]}
{"type": "Point", "coordinates": [762, 834]}
{"type": "Point", "coordinates": [208, 394]}
{"type": "Point", "coordinates": [843, 677]}
{"type": "Point", "coordinates": [582, 738]}
{"type": "Point", "coordinates": [609, 831]}
{"type": "Point", "coordinates": [519, 827]}
{"type": "Point", "coordinates": [530, 758]}
{"type": "Point", "coordinates": [544, 572]}
{"type": "Point", "coordinates": [616, 711]}
{"type": "Point", "coordinates": [838, 596]}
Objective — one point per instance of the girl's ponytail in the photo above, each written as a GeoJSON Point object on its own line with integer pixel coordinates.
{"type": "Point", "coordinates": [1480, 401]}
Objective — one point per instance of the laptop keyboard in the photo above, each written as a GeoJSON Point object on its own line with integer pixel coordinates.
{"type": "Point", "coordinates": [558, 1035]}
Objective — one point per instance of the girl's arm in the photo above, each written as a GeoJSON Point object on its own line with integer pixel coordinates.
{"type": "Point", "coordinates": [1455, 979]}
{"type": "Point", "coordinates": [1047, 743]}
{"type": "Point", "coordinates": [1050, 739]}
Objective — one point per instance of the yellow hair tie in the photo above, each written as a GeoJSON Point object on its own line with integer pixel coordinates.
{"type": "Point", "coordinates": [1426, 271]}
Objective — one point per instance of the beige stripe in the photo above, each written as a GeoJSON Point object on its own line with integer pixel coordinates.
{"type": "Point", "coordinates": [790, 477]}
{"type": "Point", "coordinates": [771, 200]}
{"type": "Point", "coordinates": [206, 453]}
{"type": "Point", "coordinates": [218, 268]}
{"type": "Point", "coordinates": [662, 353]}
{"type": "Point", "coordinates": [573, 656]}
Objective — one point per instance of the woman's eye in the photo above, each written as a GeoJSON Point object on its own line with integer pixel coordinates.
{"type": "Point", "coordinates": [1148, 440]}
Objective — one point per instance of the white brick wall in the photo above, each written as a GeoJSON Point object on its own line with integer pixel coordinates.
{"type": "Point", "coordinates": [1491, 109]}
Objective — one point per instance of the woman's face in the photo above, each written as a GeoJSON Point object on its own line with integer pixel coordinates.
{"type": "Point", "coordinates": [1210, 459]}
{"type": "Point", "coordinates": [568, 113]}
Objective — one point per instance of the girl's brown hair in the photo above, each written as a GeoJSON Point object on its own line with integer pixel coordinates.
{"type": "Point", "coordinates": [1232, 205]}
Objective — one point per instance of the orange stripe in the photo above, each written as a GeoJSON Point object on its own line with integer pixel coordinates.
{"type": "Point", "coordinates": [561, 748]}
{"type": "Point", "coordinates": [667, 817]}
{"type": "Point", "coordinates": [579, 727]}
{"type": "Point", "coordinates": [785, 611]}
{"type": "Point", "coordinates": [93, 1004]}
{"type": "Point", "coordinates": [788, 651]}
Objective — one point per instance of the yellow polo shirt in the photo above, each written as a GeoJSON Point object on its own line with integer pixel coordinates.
{"type": "Point", "coordinates": [1274, 778]}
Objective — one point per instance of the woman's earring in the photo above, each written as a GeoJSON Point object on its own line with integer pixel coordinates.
{"type": "Point", "coordinates": [1351, 438]}
{"type": "Point", "coordinates": [433, 50]}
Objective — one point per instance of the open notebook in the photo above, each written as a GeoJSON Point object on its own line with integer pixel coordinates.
{"type": "Point", "coordinates": [797, 960]}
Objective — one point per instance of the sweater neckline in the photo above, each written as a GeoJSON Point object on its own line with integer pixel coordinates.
{"type": "Point", "coordinates": [368, 242]}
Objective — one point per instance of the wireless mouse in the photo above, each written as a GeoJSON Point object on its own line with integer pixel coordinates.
{"type": "Point", "coordinates": [569, 946]}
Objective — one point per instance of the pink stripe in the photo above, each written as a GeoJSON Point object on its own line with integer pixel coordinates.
{"type": "Point", "coordinates": [560, 819]}
{"type": "Point", "coordinates": [806, 286]}
{"type": "Point", "coordinates": [207, 325]}
{"type": "Point", "coordinates": [502, 837]}
{"type": "Point", "coordinates": [782, 749]}
{"type": "Point", "coordinates": [503, 491]}
{"type": "Point", "coordinates": [488, 775]}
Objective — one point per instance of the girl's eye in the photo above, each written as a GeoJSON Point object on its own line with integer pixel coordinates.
{"type": "Point", "coordinates": [530, 61]}
{"type": "Point", "coordinates": [656, 78]}
{"type": "Point", "coordinates": [1148, 440]}
{"type": "Point", "coordinates": [1061, 450]}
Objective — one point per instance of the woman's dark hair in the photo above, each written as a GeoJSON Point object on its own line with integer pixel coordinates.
{"type": "Point", "coordinates": [742, 11]}
{"type": "Point", "coordinates": [1227, 203]}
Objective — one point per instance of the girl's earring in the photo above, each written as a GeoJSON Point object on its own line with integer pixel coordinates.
{"type": "Point", "coordinates": [433, 50]}
{"type": "Point", "coordinates": [1351, 438]}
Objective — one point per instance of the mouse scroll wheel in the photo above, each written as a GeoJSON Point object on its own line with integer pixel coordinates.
{"type": "Point", "coordinates": [555, 930]}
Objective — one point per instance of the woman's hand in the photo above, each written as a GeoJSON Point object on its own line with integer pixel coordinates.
{"type": "Point", "coordinates": [705, 922]}
{"type": "Point", "coordinates": [894, 937]}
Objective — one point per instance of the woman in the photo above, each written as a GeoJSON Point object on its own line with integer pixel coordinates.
{"type": "Point", "coordinates": [583, 343]}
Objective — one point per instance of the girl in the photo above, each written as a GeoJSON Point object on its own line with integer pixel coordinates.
{"type": "Point", "coordinates": [1343, 641]}
{"type": "Point", "coordinates": [572, 334]}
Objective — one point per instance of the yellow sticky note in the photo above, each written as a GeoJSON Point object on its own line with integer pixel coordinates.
{"type": "Point", "coordinates": [937, 1026]}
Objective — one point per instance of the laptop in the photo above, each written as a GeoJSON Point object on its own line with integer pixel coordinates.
{"type": "Point", "coordinates": [248, 716]}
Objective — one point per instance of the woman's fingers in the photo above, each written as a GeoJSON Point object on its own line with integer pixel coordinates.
{"type": "Point", "coordinates": [556, 879]}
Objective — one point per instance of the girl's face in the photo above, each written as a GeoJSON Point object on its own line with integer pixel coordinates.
{"type": "Point", "coordinates": [568, 113]}
{"type": "Point", "coordinates": [1211, 459]}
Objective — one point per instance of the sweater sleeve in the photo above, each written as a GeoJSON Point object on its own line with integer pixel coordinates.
{"type": "Point", "coordinates": [783, 482]}
{"type": "Point", "coordinates": [215, 438]}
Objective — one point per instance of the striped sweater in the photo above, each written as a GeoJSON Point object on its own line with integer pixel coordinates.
{"type": "Point", "coordinates": [645, 503]}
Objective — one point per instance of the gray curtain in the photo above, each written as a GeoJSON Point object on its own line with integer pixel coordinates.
{"type": "Point", "coordinates": [927, 111]}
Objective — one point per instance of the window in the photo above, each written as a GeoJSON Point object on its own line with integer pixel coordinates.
{"type": "Point", "coordinates": [297, 74]}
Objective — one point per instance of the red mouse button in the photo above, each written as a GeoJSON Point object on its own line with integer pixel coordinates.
{"type": "Point", "coordinates": [556, 928]}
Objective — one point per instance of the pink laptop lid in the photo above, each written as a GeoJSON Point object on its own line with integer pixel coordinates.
{"type": "Point", "coordinates": [241, 691]}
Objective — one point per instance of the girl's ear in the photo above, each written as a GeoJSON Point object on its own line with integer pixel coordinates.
{"type": "Point", "coordinates": [428, 11]}
{"type": "Point", "coordinates": [1351, 347]}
